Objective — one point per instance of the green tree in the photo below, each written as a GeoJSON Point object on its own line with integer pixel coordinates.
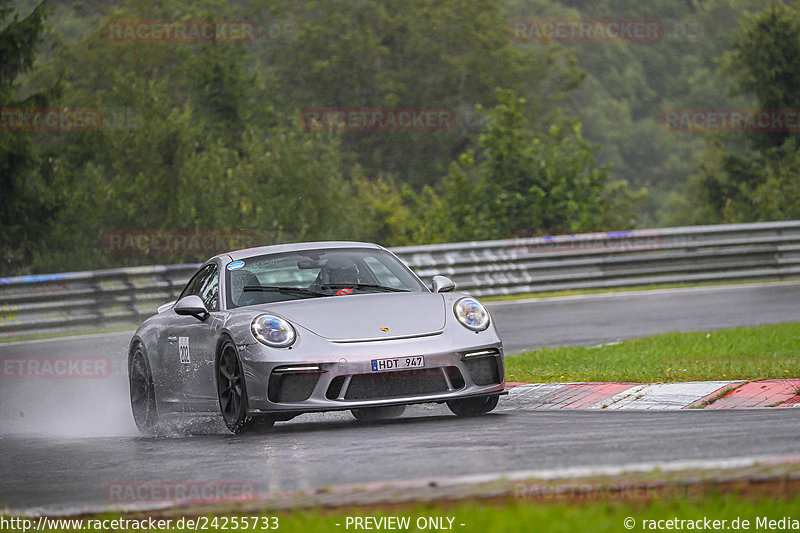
{"type": "Point", "coordinates": [629, 83]}
{"type": "Point", "coordinates": [523, 182]}
{"type": "Point", "coordinates": [26, 203]}
{"type": "Point", "coordinates": [382, 212]}
{"type": "Point", "coordinates": [411, 54]}
{"type": "Point", "coordinates": [199, 147]}
{"type": "Point", "coordinates": [748, 176]}
{"type": "Point", "coordinates": [765, 62]}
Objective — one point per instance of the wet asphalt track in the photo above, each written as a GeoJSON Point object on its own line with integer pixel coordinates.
{"type": "Point", "coordinates": [64, 442]}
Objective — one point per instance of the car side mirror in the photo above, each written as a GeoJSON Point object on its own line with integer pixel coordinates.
{"type": "Point", "coordinates": [193, 306]}
{"type": "Point", "coordinates": [166, 306]}
{"type": "Point", "coordinates": [443, 284]}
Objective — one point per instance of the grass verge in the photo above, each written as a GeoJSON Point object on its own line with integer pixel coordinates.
{"type": "Point", "coordinates": [505, 515]}
{"type": "Point", "coordinates": [762, 352]}
{"type": "Point", "coordinates": [596, 517]}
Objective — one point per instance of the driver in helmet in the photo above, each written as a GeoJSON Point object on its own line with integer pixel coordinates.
{"type": "Point", "coordinates": [341, 271]}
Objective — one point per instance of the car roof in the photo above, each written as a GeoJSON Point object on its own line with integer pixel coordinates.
{"type": "Point", "coordinates": [279, 248]}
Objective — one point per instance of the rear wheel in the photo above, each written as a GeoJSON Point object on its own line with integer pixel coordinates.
{"type": "Point", "coordinates": [371, 414]}
{"type": "Point", "coordinates": [473, 406]}
{"type": "Point", "coordinates": [233, 393]}
{"type": "Point", "coordinates": [143, 394]}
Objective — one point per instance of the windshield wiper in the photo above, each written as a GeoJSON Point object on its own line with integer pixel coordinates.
{"type": "Point", "coordinates": [280, 288]}
{"type": "Point", "coordinates": [362, 286]}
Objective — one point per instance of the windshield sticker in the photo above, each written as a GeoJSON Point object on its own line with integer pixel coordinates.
{"type": "Point", "coordinates": [236, 265]}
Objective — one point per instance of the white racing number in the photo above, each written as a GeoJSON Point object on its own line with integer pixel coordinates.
{"type": "Point", "coordinates": [183, 350]}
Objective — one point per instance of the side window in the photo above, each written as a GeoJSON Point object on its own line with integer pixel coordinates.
{"type": "Point", "coordinates": [205, 284]}
{"type": "Point", "coordinates": [209, 289]}
{"type": "Point", "coordinates": [194, 283]}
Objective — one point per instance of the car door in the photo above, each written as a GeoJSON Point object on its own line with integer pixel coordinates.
{"type": "Point", "coordinates": [193, 342]}
{"type": "Point", "coordinates": [168, 348]}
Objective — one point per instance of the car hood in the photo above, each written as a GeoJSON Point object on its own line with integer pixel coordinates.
{"type": "Point", "coordinates": [367, 316]}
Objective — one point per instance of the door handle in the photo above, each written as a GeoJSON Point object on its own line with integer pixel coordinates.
{"type": "Point", "coordinates": [172, 339]}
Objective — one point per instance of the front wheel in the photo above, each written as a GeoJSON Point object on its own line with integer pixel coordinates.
{"type": "Point", "coordinates": [142, 391]}
{"type": "Point", "coordinates": [233, 393]}
{"type": "Point", "coordinates": [473, 406]}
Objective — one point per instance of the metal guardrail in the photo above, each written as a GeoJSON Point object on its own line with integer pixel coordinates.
{"type": "Point", "coordinates": [733, 252]}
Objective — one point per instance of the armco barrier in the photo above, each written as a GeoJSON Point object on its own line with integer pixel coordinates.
{"type": "Point", "coordinates": [87, 299]}
{"type": "Point", "coordinates": [769, 250]}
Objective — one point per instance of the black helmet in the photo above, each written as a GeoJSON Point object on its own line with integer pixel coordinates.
{"type": "Point", "coordinates": [341, 270]}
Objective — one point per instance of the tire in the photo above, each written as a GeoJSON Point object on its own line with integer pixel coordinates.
{"type": "Point", "coordinates": [232, 392]}
{"type": "Point", "coordinates": [473, 406]}
{"type": "Point", "coordinates": [372, 414]}
{"type": "Point", "coordinates": [142, 392]}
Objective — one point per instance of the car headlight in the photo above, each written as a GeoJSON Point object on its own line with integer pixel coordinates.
{"type": "Point", "coordinates": [472, 314]}
{"type": "Point", "coordinates": [273, 331]}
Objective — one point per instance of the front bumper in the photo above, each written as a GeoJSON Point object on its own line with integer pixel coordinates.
{"type": "Point", "coordinates": [343, 379]}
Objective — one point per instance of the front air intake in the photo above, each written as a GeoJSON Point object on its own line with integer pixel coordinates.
{"type": "Point", "coordinates": [292, 384]}
{"type": "Point", "coordinates": [483, 366]}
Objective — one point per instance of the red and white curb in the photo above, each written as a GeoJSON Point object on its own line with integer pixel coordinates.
{"type": "Point", "coordinates": [657, 396]}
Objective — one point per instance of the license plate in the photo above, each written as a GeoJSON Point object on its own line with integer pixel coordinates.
{"type": "Point", "coordinates": [397, 363]}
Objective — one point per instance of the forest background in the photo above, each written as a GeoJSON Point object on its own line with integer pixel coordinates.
{"type": "Point", "coordinates": [549, 133]}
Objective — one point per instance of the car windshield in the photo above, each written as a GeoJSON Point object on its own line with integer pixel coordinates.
{"type": "Point", "coordinates": [316, 274]}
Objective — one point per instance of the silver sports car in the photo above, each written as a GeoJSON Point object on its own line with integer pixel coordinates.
{"type": "Point", "coordinates": [268, 333]}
